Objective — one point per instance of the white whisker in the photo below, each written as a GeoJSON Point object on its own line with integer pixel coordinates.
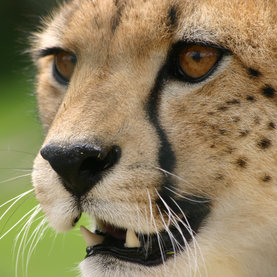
{"type": "Point", "coordinates": [15, 178]}
{"type": "Point", "coordinates": [192, 198]}
{"type": "Point", "coordinates": [37, 235]}
{"type": "Point", "coordinates": [184, 181]}
{"type": "Point", "coordinates": [171, 237]}
{"type": "Point", "coordinates": [35, 211]}
{"type": "Point", "coordinates": [24, 231]}
{"type": "Point", "coordinates": [155, 226]}
{"type": "Point", "coordinates": [147, 242]}
{"type": "Point", "coordinates": [16, 202]}
{"type": "Point", "coordinates": [175, 223]}
{"type": "Point", "coordinates": [188, 199]}
{"type": "Point", "coordinates": [173, 241]}
{"type": "Point", "coordinates": [53, 242]}
{"type": "Point", "coordinates": [16, 223]}
{"type": "Point", "coordinates": [195, 243]}
{"type": "Point", "coordinates": [17, 169]}
{"type": "Point", "coordinates": [24, 226]}
{"type": "Point", "coordinates": [18, 196]}
{"type": "Point", "coordinates": [168, 173]}
{"type": "Point", "coordinates": [17, 151]}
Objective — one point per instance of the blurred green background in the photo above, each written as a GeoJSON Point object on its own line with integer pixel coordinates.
{"type": "Point", "coordinates": [20, 139]}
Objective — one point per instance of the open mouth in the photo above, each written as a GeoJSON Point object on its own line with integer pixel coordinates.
{"type": "Point", "coordinates": [126, 245]}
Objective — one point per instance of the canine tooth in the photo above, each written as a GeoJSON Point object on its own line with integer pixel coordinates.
{"type": "Point", "coordinates": [131, 239]}
{"type": "Point", "coordinates": [90, 238]}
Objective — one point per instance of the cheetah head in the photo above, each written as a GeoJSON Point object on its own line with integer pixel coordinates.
{"type": "Point", "coordinates": [160, 120]}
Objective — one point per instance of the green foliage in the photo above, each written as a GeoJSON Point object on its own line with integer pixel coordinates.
{"type": "Point", "coordinates": [20, 140]}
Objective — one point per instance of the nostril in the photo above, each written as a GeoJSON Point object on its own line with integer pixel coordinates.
{"type": "Point", "coordinates": [80, 166]}
{"type": "Point", "coordinates": [92, 167]}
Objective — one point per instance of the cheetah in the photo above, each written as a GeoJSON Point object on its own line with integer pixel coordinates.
{"type": "Point", "coordinates": [161, 125]}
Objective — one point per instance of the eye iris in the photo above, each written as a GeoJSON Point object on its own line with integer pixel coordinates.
{"type": "Point", "coordinates": [65, 63]}
{"type": "Point", "coordinates": [196, 60]}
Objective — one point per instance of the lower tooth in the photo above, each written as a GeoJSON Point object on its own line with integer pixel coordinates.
{"type": "Point", "coordinates": [131, 239]}
{"type": "Point", "coordinates": [90, 238]}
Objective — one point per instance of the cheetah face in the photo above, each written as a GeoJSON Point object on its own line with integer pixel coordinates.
{"type": "Point", "coordinates": [160, 119]}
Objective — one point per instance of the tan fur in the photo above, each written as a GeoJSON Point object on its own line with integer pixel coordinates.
{"type": "Point", "coordinates": [216, 141]}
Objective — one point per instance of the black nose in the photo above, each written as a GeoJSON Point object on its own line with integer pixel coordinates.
{"type": "Point", "coordinates": [80, 166]}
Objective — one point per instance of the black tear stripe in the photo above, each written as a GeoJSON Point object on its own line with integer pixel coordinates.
{"type": "Point", "coordinates": [195, 208]}
{"type": "Point", "coordinates": [167, 158]}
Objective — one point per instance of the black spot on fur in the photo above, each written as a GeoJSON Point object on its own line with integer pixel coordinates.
{"type": "Point", "coordinates": [213, 126]}
{"type": "Point", "coordinates": [242, 162]}
{"type": "Point", "coordinates": [253, 72]}
{"type": "Point", "coordinates": [251, 98]}
{"type": "Point", "coordinates": [257, 120]}
{"type": "Point", "coordinates": [96, 21]}
{"type": "Point", "coordinates": [244, 133]}
{"type": "Point", "coordinates": [210, 113]}
{"type": "Point", "coordinates": [172, 15]}
{"type": "Point", "coordinates": [116, 19]}
{"type": "Point", "coordinates": [230, 150]}
{"type": "Point", "coordinates": [219, 177]}
{"type": "Point", "coordinates": [236, 119]}
{"type": "Point", "coordinates": [222, 108]}
{"type": "Point", "coordinates": [271, 125]}
{"type": "Point", "coordinates": [264, 143]}
{"type": "Point", "coordinates": [268, 91]}
{"type": "Point", "coordinates": [222, 131]}
{"type": "Point", "coordinates": [266, 178]}
{"type": "Point", "coordinates": [233, 102]}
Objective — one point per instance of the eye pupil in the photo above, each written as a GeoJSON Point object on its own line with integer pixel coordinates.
{"type": "Point", "coordinates": [196, 56]}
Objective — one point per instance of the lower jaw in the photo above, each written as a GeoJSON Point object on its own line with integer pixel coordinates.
{"type": "Point", "coordinates": [133, 255]}
{"type": "Point", "coordinates": [101, 265]}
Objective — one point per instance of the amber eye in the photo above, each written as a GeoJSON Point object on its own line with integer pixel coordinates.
{"type": "Point", "coordinates": [196, 61]}
{"type": "Point", "coordinates": [64, 64]}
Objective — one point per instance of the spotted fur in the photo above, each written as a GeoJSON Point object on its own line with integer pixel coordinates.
{"type": "Point", "coordinates": [214, 140]}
